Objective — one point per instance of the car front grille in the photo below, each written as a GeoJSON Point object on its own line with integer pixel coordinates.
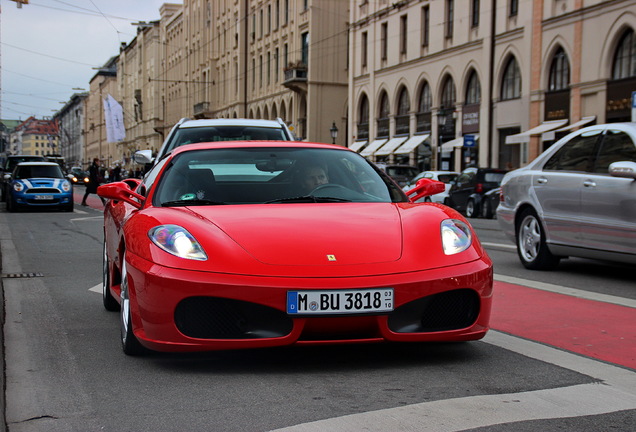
{"type": "Point", "coordinates": [43, 191]}
{"type": "Point", "coordinates": [450, 310]}
{"type": "Point", "coordinates": [220, 318]}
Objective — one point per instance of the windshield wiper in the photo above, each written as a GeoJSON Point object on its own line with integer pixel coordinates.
{"type": "Point", "coordinates": [307, 199]}
{"type": "Point", "coordinates": [191, 202]}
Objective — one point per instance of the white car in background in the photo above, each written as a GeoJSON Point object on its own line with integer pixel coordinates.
{"type": "Point", "coordinates": [446, 177]}
{"type": "Point", "coordinates": [578, 198]}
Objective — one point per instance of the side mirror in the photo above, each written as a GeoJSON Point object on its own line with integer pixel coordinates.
{"type": "Point", "coordinates": [623, 169]}
{"type": "Point", "coordinates": [143, 157]}
{"type": "Point", "coordinates": [7, 177]}
{"type": "Point", "coordinates": [120, 191]}
{"type": "Point", "coordinates": [425, 187]}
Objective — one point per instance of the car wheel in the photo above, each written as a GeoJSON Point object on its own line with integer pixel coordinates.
{"type": "Point", "coordinates": [69, 208]}
{"type": "Point", "coordinates": [470, 209]}
{"type": "Point", "coordinates": [486, 210]}
{"type": "Point", "coordinates": [531, 246]}
{"type": "Point", "coordinates": [11, 205]}
{"type": "Point", "coordinates": [129, 343]}
{"type": "Point", "coordinates": [110, 304]}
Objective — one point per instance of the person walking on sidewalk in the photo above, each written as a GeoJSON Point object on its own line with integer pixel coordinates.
{"type": "Point", "coordinates": [95, 179]}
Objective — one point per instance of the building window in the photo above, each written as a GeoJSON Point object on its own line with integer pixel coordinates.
{"type": "Point", "coordinates": [269, 19]}
{"type": "Point", "coordinates": [286, 12]}
{"type": "Point", "coordinates": [260, 22]}
{"type": "Point", "coordinates": [364, 49]}
{"type": "Point", "coordinates": [269, 68]}
{"type": "Point", "coordinates": [363, 118]}
{"type": "Point", "coordinates": [277, 14]}
{"type": "Point", "coordinates": [402, 118]}
{"type": "Point", "coordinates": [260, 70]}
{"type": "Point", "coordinates": [276, 65]}
{"type": "Point", "coordinates": [423, 118]}
{"type": "Point", "coordinates": [384, 29]}
{"type": "Point", "coordinates": [450, 12]}
{"type": "Point", "coordinates": [473, 91]}
{"type": "Point", "coordinates": [304, 54]}
{"type": "Point", "coordinates": [474, 14]}
{"type": "Point", "coordinates": [383, 116]}
{"type": "Point", "coordinates": [511, 84]}
{"type": "Point", "coordinates": [514, 8]}
{"type": "Point", "coordinates": [449, 96]}
{"type": "Point", "coordinates": [559, 72]}
{"type": "Point", "coordinates": [403, 33]}
{"type": "Point", "coordinates": [426, 25]}
{"type": "Point", "coordinates": [624, 65]}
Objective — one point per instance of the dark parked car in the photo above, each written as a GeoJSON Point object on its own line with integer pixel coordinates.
{"type": "Point", "coordinates": [7, 169]}
{"type": "Point", "coordinates": [467, 193]}
{"type": "Point", "coordinates": [402, 174]}
{"type": "Point", "coordinates": [490, 202]}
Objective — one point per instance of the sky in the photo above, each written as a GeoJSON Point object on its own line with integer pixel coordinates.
{"type": "Point", "coordinates": [50, 48]}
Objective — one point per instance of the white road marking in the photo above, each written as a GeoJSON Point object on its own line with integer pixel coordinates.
{"type": "Point", "coordinates": [87, 218]}
{"type": "Point", "coordinates": [97, 288]}
{"type": "Point", "coordinates": [616, 391]}
{"type": "Point", "coordinates": [499, 245]}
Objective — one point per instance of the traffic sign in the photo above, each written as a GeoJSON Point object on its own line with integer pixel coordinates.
{"type": "Point", "coordinates": [469, 140]}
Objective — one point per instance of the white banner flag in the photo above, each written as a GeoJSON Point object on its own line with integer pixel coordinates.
{"type": "Point", "coordinates": [114, 117]}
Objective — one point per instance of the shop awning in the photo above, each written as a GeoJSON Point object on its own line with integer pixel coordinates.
{"type": "Point", "coordinates": [411, 144]}
{"type": "Point", "coordinates": [544, 127]}
{"type": "Point", "coordinates": [578, 124]}
{"type": "Point", "coordinates": [373, 147]}
{"type": "Point", "coordinates": [357, 145]}
{"type": "Point", "coordinates": [452, 144]}
{"type": "Point", "coordinates": [390, 146]}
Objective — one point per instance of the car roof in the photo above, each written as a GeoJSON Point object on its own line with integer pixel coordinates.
{"type": "Point", "coordinates": [230, 122]}
{"type": "Point", "coordinates": [37, 164]}
{"type": "Point", "coordinates": [255, 144]}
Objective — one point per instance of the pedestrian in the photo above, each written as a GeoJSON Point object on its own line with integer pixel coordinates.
{"type": "Point", "coordinates": [95, 179]}
{"type": "Point", "coordinates": [117, 173]}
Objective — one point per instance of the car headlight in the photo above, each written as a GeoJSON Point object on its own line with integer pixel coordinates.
{"type": "Point", "coordinates": [74, 179]}
{"type": "Point", "coordinates": [18, 187]}
{"type": "Point", "coordinates": [66, 186]}
{"type": "Point", "coordinates": [177, 241]}
{"type": "Point", "coordinates": [456, 236]}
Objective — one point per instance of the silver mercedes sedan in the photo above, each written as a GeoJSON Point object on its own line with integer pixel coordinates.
{"type": "Point", "coordinates": [578, 198]}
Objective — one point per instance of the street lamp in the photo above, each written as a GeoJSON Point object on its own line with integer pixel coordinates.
{"type": "Point", "coordinates": [334, 133]}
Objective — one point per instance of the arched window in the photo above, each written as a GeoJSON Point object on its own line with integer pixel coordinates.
{"type": "Point", "coordinates": [423, 118]}
{"type": "Point", "coordinates": [559, 78]}
{"type": "Point", "coordinates": [383, 116]}
{"type": "Point", "coordinates": [473, 90]}
{"type": "Point", "coordinates": [511, 83]}
{"type": "Point", "coordinates": [363, 118]}
{"type": "Point", "coordinates": [449, 96]}
{"type": "Point", "coordinates": [624, 65]}
{"type": "Point", "coordinates": [402, 118]}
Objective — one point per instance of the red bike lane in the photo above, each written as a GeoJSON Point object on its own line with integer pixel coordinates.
{"type": "Point", "coordinates": [595, 329]}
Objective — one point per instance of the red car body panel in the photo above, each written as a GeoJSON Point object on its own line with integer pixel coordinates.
{"type": "Point", "coordinates": [259, 252]}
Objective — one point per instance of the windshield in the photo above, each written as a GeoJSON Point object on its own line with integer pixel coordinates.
{"type": "Point", "coordinates": [38, 171]}
{"type": "Point", "coordinates": [272, 175]}
{"type": "Point", "coordinates": [225, 133]}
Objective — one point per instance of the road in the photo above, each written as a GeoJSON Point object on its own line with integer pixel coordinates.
{"type": "Point", "coordinates": [560, 355]}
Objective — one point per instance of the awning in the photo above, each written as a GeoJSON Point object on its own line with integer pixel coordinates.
{"type": "Point", "coordinates": [524, 137]}
{"type": "Point", "coordinates": [411, 144]}
{"type": "Point", "coordinates": [357, 145]}
{"type": "Point", "coordinates": [371, 148]}
{"type": "Point", "coordinates": [390, 146]}
{"type": "Point", "coordinates": [578, 124]}
{"type": "Point", "coordinates": [452, 144]}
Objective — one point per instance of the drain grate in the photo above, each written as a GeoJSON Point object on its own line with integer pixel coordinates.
{"type": "Point", "coordinates": [22, 275]}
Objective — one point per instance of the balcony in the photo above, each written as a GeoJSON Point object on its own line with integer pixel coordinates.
{"type": "Point", "coordinates": [295, 77]}
{"type": "Point", "coordinates": [201, 110]}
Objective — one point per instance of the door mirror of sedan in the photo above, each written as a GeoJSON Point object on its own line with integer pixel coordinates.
{"type": "Point", "coordinates": [624, 169]}
{"type": "Point", "coordinates": [7, 177]}
{"type": "Point", "coordinates": [143, 157]}
{"type": "Point", "coordinates": [120, 191]}
{"type": "Point", "coordinates": [425, 187]}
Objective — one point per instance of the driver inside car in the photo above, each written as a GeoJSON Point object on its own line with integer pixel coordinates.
{"type": "Point", "coordinates": [313, 176]}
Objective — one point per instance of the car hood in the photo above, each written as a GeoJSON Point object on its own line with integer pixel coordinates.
{"type": "Point", "coordinates": [32, 183]}
{"type": "Point", "coordinates": [310, 234]}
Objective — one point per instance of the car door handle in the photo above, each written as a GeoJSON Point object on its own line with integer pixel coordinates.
{"type": "Point", "coordinates": [542, 180]}
{"type": "Point", "coordinates": [589, 183]}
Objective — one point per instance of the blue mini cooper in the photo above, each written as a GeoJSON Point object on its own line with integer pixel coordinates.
{"type": "Point", "coordinates": [37, 185]}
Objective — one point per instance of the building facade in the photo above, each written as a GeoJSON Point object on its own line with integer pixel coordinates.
{"type": "Point", "coordinates": [35, 137]}
{"type": "Point", "coordinates": [489, 83]}
{"type": "Point", "coordinates": [71, 121]}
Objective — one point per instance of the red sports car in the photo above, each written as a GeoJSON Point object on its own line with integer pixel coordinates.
{"type": "Point", "coordinates": [256, 244]}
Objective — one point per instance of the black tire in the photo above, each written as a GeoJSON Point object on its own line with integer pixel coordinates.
{"type": "Point", "coordinates": [531, 245]}
{"type": "Point", "coordinates": [11, 205]}
{"type": "Point", "coordinates": [471, 209]}
{"type": "Point", "coordinates": [486, 210]}
{"type": "Point", "coordinates": [110, 303]}
{"type": "Point", "coordinates": [129, 342]}
{"type": "Point", "coordinates": [69, 208]}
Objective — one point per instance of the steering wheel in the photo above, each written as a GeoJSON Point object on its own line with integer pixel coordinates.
{"type": "Point", "coordinates": [327, 186]}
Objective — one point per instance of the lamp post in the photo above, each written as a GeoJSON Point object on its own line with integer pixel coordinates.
{"type": "Point", "coordinates": [334, 133]}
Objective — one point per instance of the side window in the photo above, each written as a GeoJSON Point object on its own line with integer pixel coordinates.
{"type": "Point", "coordinates": [617, 146]}
{"type": "Point", "coordinates": [575, 155]}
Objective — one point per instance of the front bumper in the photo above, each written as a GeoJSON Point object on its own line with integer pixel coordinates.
{"type": "Point", "coordinates": [182, 310]}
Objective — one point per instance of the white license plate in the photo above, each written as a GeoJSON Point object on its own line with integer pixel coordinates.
{"type": "Point", "coordinates": [340, 301]}
{"type": "Point", "coordinates": [43, 197]}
